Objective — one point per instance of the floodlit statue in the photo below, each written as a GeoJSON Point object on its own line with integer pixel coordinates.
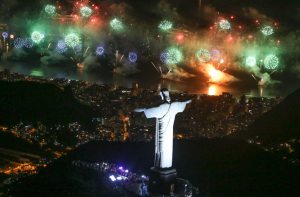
{"type": "Point", "coordinates": [165, 116]}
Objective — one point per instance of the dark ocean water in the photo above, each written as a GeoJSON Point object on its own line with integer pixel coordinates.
{"type": "Point", "coordinates": [284, 84]}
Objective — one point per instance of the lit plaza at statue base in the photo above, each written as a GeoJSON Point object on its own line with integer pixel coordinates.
{"type": "Point", "coordinates": [162, 181]}
{"type": "Point", "coordinates": [128, 183]}
{"type": "Point", "coordinates": [166, 183]}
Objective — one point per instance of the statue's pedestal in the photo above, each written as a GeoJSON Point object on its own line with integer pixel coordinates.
{"type": "Point", "coordinates": [162, 181]}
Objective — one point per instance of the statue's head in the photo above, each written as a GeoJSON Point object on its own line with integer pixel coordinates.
{"type": "Point", "coordinates": [165, 95]}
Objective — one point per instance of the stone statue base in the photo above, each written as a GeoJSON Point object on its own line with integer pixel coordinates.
{"type": "Point", "coordinates": [162, 181]}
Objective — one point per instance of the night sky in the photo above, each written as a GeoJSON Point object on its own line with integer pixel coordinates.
{"type": "Point", "coordinates": [197, 28]}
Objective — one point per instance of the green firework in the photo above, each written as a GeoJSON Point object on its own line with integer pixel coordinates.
{"type": "Point", "coordinates": [116, 24]}
{"type": "Point", "coordinates": [203, 55]}
{"type": "Point", "coordinates": [86, 11]}
{"type": "Point", "coordinates": [224, 24]}
{"type": "Point", "coordinates": [267, 30]}
{"type": "Point", "coordinates": [50, 9]}
{"type": "Point", "coordinates": [271, 62]}
{"type": "Point", "coordinates": [165, 25]}
{"type": "Point", "coordinates": [37, 36]}
{"type": "Point", "coordinates": [250, 61]}
{"type": "Point", "coordinates": [174, 56]}
{"type": "Point", "coordinates": [72, 40]}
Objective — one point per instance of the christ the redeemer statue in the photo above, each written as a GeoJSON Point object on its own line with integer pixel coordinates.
{"type": "Point", "coordinates": [165, 116]}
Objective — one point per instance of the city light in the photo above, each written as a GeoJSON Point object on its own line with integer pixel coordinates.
{"type": "Point", "coordinates": [119, 178]}
{"type": "Point", "coordinates": [112, 178]}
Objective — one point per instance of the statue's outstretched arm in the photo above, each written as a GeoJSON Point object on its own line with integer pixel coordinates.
{"type": "Point", "coordinates": [140, 110]}
{"type": "Point", "coordinates": [188, 101]}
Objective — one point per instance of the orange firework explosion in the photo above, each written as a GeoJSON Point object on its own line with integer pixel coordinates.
{"type": "Point", "coordinates": [214, 74]}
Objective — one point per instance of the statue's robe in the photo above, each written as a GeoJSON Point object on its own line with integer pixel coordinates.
{"type": "Point", "coordinates": [165, 116]}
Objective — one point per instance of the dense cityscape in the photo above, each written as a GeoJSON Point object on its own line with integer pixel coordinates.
{"type": "Point", "coordinates": [209, 116]}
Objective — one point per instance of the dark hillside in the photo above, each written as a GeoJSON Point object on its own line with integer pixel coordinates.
{"type": "Point", "coordinates": [218, 167]}
{"type": "Point", "coordinates": [32, 102]}
{"type": "Point", "coordinates": [280, 124]}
